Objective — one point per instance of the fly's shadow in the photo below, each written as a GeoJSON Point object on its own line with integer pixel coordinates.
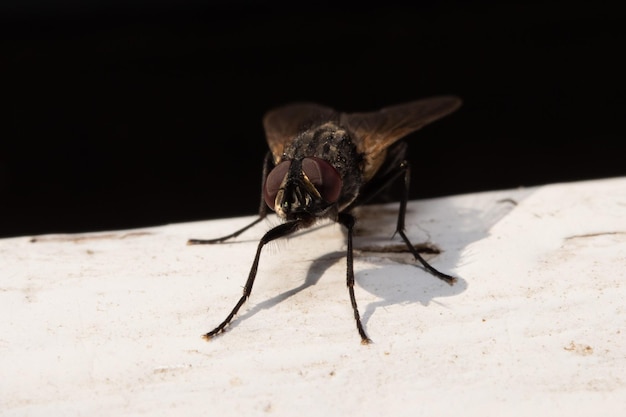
{"type": "Point", "coordinates": [395, 285]}
{"type": "Point", "coordinates": [315, 272]}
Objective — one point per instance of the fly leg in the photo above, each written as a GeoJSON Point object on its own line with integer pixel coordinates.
{"type": "Point", "coordinates": [263, 210]}
{"type": "Point", "coordinates": [406, 169]}
{"type": "Point", "coordinates": [401, 170]}
{"type": "Point", "coordinates": [347, 220]}
{"type": "Point", "coordinates": [223, 238]}
{"type": "Point", "coordinates": [275, 233]}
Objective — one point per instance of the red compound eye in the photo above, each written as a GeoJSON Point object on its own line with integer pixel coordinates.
{"type": "Point", "coordinates": [324, 177]}
{"type": "Point", "coordinates": [273, 181]}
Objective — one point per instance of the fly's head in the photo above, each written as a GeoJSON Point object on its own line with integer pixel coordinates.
{"type": "Point", "coordinates": [303, 189]}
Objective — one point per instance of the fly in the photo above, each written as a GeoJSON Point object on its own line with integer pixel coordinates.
{"type": "Point", "coordinates": [322, 164]}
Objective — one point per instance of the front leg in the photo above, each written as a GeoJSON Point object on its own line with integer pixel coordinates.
{"type": "Point", "coordinates": [347, 220]}
{"type": "Point", "coordinates": [277, 232]}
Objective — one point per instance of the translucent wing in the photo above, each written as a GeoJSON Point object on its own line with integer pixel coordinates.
{"type": "Point", "coordinates": [283, 124]}
{"type": "Point", "coordinates": [374, 132]}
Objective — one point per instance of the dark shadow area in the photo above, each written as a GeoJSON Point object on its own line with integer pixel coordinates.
{"type": "Point", "coordinates": [130, 114]}
{"type": "Point", "coordinates": [315, 273]}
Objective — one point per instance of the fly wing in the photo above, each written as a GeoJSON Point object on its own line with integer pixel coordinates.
{"type": "Point", "coordinates": [283, 124]}
{"type": "Point", "coordinates": [374, 132]}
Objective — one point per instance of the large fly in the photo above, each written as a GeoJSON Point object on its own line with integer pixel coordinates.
{"type": "Point", "coordinates": [322, 164]}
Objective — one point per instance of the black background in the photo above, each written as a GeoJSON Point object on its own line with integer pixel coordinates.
{"type": "Point", "coordinates": [137, 113]}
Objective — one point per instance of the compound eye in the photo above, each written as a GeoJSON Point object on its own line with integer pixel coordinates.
{"type": "Point", "coordinates": [324, 177]}
{"type": "Point", "coordinates": [273, 181]}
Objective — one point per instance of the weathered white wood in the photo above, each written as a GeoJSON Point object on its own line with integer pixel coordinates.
{"type": "Point", "coordinates": [105, 324]}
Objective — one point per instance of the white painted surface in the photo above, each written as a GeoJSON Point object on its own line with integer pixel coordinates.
{"type": "Point", "coordinates": [109, 323]}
